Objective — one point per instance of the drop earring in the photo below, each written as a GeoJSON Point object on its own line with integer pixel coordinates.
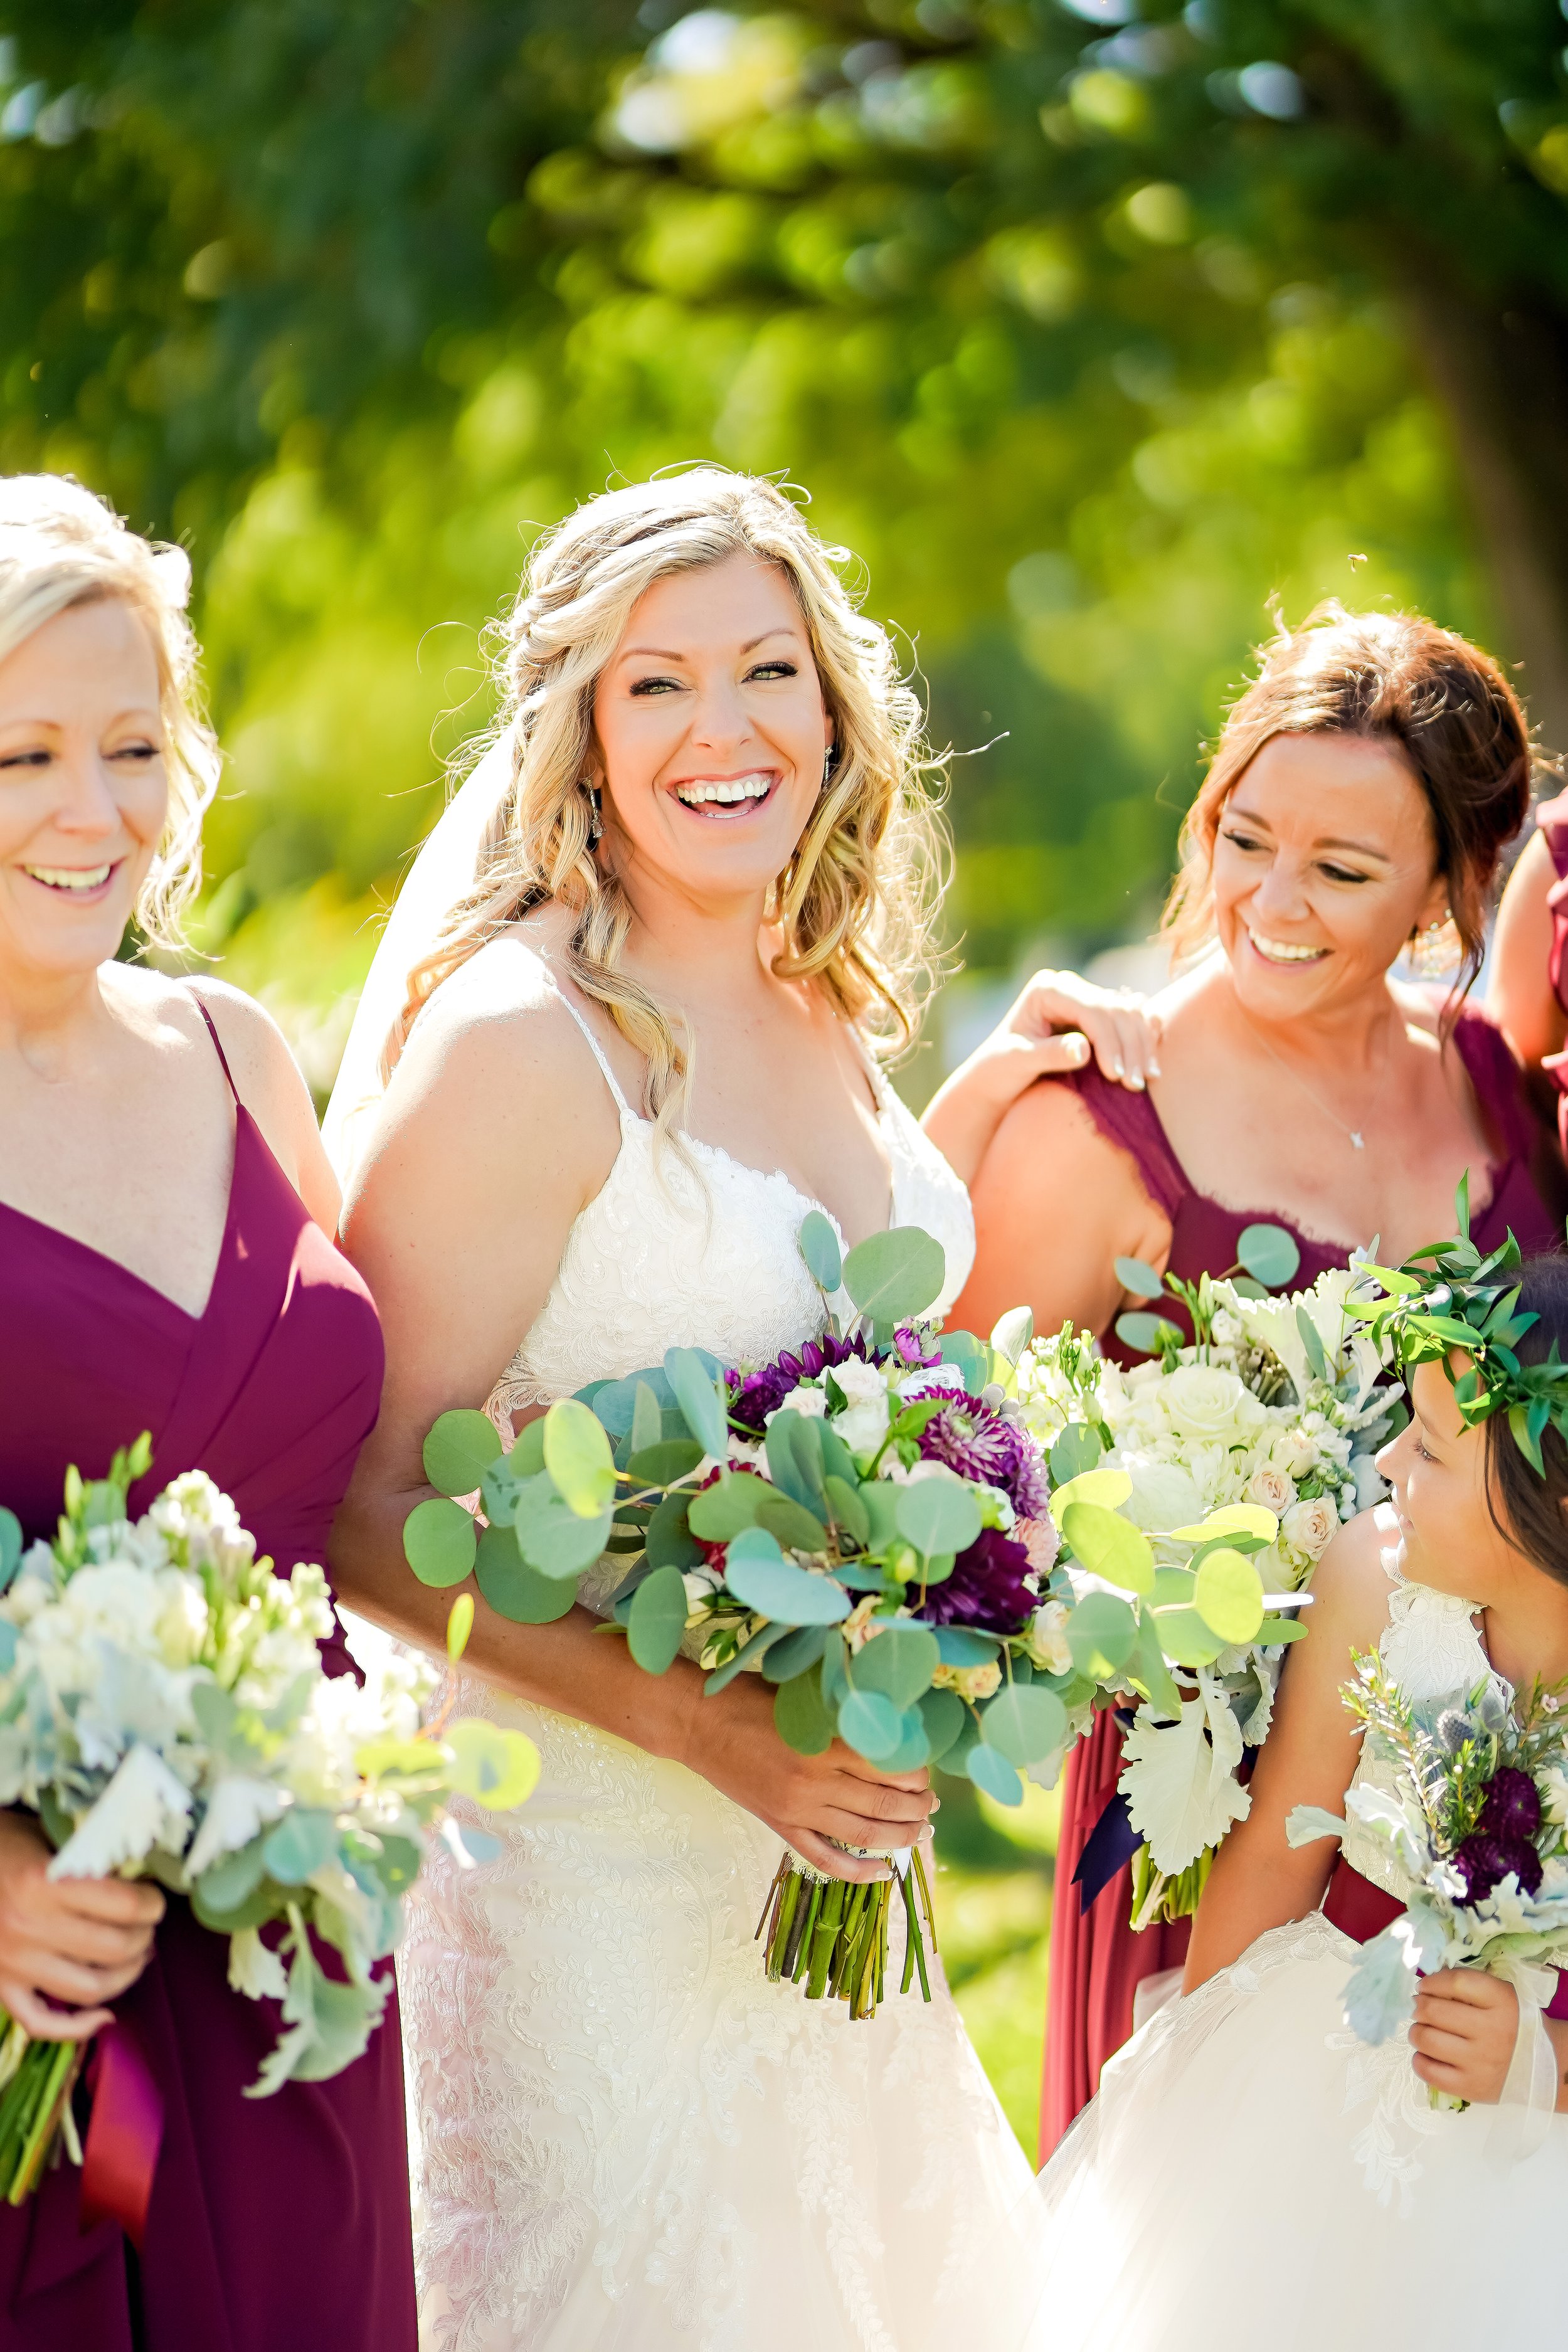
{"type": "Point", "coordinates": [597, 815]}
{"type": "Point", "coordinates": [1436, 950]}
{"type": "Point", "coordinates": [830, 761]}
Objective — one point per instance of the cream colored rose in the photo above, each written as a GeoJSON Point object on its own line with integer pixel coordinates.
{"type": "Point", "coordinates": [865, 1424]}
{"type": "Point", "coordinates": [1310, 1525]}
{"type": "Point", "coordinates": [1048, 1641]}
{"type": "Point", "coordinates": [1206, 1405]}
{"type": "Point", "coordinates": [1272, 1489]}
{"type": "Point", "coordinates": [972, 1683]}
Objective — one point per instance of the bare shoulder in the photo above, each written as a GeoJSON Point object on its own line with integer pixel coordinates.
{"type": "Point", "coordinates": [500, 1020]}
{"type": "Point", "coordinates": [1351, 1583]}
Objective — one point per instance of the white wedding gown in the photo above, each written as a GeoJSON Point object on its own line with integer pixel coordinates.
{"type": "Point", "coordinates": [1250, 2172]}
{"type": "Point", "coordinates": [630, 2141]}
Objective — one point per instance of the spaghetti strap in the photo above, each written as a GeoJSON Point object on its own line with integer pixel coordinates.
{"type": "Point", "coordinates": [217, 1043]}
{"type": "Point", "coordinates": [594, 1047]}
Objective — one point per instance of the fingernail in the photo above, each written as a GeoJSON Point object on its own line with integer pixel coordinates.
{"type": "Point", "coordinates": [1155, 1071]}
{"type": "Point", "coordinates": [1117, 1070]}
{"type": "Point", "coordinates": [1136, 1083]}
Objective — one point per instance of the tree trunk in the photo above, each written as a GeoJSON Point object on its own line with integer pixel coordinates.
{"type": "Point", "coordinates": [1500, 370]}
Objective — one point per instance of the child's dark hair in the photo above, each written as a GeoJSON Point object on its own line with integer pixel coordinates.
{"type": "Point", "coordinates": [1531, 1511]}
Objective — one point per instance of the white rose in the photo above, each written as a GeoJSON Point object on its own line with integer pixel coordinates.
{"type": "Point", "coordinates": [701, 1588]}
{"type": "Point", "coordinates": [1309, 1526]}
{"type": "Point", "coordinates": [811, 1403]}
{"type": "Point", "coordinates": [1204, 1405]}
{"type": "Point", "coordinates": [1228, 1329]}
{"type": "Point", "coordinates": [1164, 1495]}
{"type": "Point", "coordinates": [972, 1683]}
{"type": "Point", "coordinates": [1046, 1639]}
{"type": "Point", "coordinates": [864, 1424]}
{"type": "Point", "coordinates": [1272, 1489]}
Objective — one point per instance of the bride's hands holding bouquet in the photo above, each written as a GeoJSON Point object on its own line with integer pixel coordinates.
{"type": "Point", "coordinates": [810, 1800]}
{"type": "Point", "coordinates": [1057, 1022]}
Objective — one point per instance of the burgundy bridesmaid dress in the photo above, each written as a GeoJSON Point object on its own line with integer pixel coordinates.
{"type": "Point", "coordinates": [278, 2224]}
{"type": "Point", "coordinates": [1553, 818]}
{"type": "Point", "coordinates": [1098, 1960]}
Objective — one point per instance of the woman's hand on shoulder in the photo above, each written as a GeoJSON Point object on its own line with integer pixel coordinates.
{"type": "Point", "coordinates": [67, 1945]}
{"type": "Point", "coordinates": [1056, 1023]}
{"type": "Point", "coordinates": [270, 1085]}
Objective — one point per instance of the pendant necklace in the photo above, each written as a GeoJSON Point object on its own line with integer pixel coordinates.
{"type": "Point", "coordinates": [1357, 1134]}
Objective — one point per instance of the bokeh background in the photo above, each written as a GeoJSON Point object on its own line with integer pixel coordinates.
{"type": "Point", "coordinates": [1091, 326]}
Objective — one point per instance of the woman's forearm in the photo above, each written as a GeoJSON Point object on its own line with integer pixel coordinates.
{"type": "Point", "coordinates": [575, 1665]}
{"type": "Point", "coordinates": [963, 1114]}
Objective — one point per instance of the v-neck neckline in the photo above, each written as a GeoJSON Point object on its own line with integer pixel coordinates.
{"type": "Point", "coordinates": [243, 1124]}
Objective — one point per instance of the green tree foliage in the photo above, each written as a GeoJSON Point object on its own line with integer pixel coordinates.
{"type": "Point", "coordinates": [1087, 327]}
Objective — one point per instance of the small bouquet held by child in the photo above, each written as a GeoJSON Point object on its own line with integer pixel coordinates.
{"type": "Point", "coordinates": [866, 1522]}
{"type": "Point", "coordinates": [164, 1712]}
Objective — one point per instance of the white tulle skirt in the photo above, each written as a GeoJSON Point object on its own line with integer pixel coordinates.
{"type": "Point", "coordinates": [1251, 2174]}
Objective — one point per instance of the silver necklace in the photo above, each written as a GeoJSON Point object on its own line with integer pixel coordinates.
{"type": "Point", "coordinates": [1357, 1137]}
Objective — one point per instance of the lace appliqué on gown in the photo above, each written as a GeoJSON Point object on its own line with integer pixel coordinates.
{"type": "Point", "coordinates": [629, 2139]}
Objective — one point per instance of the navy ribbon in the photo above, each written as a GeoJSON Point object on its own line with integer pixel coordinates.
{"type": "Point", "coordinates": [1107, 1849]}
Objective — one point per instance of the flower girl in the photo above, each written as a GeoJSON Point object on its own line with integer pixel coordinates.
{"type": "Point", "coordinates": [1251, 2165]}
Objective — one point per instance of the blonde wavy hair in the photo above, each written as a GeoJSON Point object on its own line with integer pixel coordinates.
{"type": "Point", "coordinates": [856, 900]}
{"type": "Point", "coordinates": [60, 546]}
{"type": "Point", "coordinates": [1391, 678]}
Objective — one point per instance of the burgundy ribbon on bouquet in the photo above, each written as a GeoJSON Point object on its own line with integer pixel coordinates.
{"type": "Point", "coordinates": [124, 2133]}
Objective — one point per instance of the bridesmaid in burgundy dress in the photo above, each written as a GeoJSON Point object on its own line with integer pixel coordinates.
{"type": "Point", "coordinates": [1360, 795]}
{"type": "Point", "coordinates": [1527, 989]}
{"type": "Point", "coordinates": [165, 1266]}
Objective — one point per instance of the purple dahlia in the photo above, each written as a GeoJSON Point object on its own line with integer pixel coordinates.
{"type": "Point", "coordinates": [752, 1396]}
{"type": "Point", "coordinates": [1513, 1809]}
{"type": "Point", "coordinates": [1484, 1861]}
{"type": "Point", "coordinates": [979, 1443]}
{"type": "Point", "coordinates": [987, 1588]}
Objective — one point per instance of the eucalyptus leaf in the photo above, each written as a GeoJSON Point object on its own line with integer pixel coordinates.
{"type": "Point", "coordinates": [793, 1445]}
{"type": "Point", "coordinates": [796, 1528]}
{"type": "Point", "coordinates": [551, 1535]}
{"type": "Point", "coordinates": [937, 1514]}
{"type": "Point", "coordinates": [750, 1654]}
{"type": "Point", "coordinates": [1026, 1723]}
{"type": "Point", "coordinates": [657, 1620]}
{"type": "Point", "coordinates": [848, 1512]}
{"type": "Point", "coordinates": [838, 1462]}
{"type": "Point", "coordinates": [961, 1645]}
{"type": "Point", "coordinates": [1138, 1278]}
{"type": "Point", "coordinates": [1147, 1669]}
{"type": "Point", "coordinates": [10, 1545]}
{"type": "Point", "coordinates": [794, 1652]}
{"type": "Point", "coordinates": [233, 1878]}
{"type": "Point", "coordinates": [1110, 1546]}
{"type": "Point", "coordinates": [1229, 1596]}
{"type": "Point", "coordinates": [945, 1715]}
{"type": "Point", "coordinates": [895, 1274]}
{"type": "Point", "coordinates": [898, 1661]}
{"type": "Point", "coordinates": [1269, 1254]}
{"type": "Point", "coordinates": [669, 1542]}
{"type": "Point", "coordinates": [515, 1591]}
{"type": "Point", "coordinates": [439, 1542]}
{"type": "Point", "coordinates": [660, 1464]}
{"type": "Point", "coordinates": [1185, 1637]}
{"type": "Point", "coordinates": [1101, 1632]}
{"type": "Point", "coordinates": [1014, 1332]}
{"type": "Point", "coordinates": [989, 1769]}
{"type": "Point", "coordinates": [1144, 1334]}
{"type": "Point", "coordinates": [778, 1589]}
{"type": "Point", "coordinates": [913, 1750]}
{"type": "Point", "coordinates": [1311, 1340]}
{"type": "Point", "coordinates": [577, 1456]}
{"type": "Point", "coordinates": [1106, 1488]}
{"type": "Point", "coordinates": [969, 1355]}
{"type": "Point", "coordinates": [497, 1767]}
{"type": "Point", "coordinates": [458, 1449]}
{"type": "Point", "coordinates": [800, 1718]}
{"type": "Point", "coordinates": [721, 1510]}
{"type": "Point", "coordinates": [695, 1394]}
{"type": "Point", "coordinates": [1075, 1451]}
{"type": "Point", "coordinates": [298, 1844]}
{"type": "Point", "coordinates": [819, 1248]}
{"type": "Point", "coordinates": [648, 1419]}
{"type": "Point", "coordinates": [871, 1724]}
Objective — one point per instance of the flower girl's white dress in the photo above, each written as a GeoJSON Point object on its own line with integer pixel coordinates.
{"type": "Point", "coordinates": [629, 2139]}
{"type": "Point", "coordinates": [1251, 2173]}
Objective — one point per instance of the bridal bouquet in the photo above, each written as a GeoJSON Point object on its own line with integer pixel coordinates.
{"type": "Point", "coordinates": [1477, 1819]}
{"type": "Point", "coordinates": [1243, 1450]}
{"type": "Point", "coordinates": [867, 1522]}
{"type": "Point", "coordinates": [165, 1712]}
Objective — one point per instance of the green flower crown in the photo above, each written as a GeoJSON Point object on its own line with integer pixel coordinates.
{"type": "Point", "coordinates": [1447, 1297]}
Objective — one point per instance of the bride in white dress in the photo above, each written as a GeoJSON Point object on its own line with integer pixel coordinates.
{"type": "Point", "coordinates": [647, 952]}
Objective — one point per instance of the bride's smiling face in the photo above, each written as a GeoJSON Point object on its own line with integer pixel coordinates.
{"type": "Point", "coordinates": [711, 731]}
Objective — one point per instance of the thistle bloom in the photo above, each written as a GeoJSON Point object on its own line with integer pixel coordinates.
{"type": "Point", "coordinates": [979, 1443]}
{"type": "Point", "coordinates": [989, 1587]}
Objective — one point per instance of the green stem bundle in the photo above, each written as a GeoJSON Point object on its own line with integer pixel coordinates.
{"type": "Point", "coordinates": [39, 2077]}
{"type": "Point", "coordinates": [834, 1935]}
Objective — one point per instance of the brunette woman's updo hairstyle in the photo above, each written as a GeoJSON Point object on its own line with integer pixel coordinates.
{"type": "Point", "coordinates": [1396, 678]}
{"type": "Point", "coordinates": [1530, 1510]}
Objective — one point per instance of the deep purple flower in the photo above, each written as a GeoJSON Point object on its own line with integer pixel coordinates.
{"type": "Point", "coordinates": [1483, 1862]}
{"type": "Point", "coordinates": [1513, 1809]}
{"type": "Point", "coordinates": [984, 1445]}
{"type": "Point", "coordinates": [986, 1587]}
{"type": "Point", "coordinates": [754, 1397]}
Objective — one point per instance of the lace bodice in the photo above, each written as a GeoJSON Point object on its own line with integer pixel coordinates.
{"type": "Point", "coordinates": [1432, 1648]}
{"type": "Point", "coordinates": [705, 1254]}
